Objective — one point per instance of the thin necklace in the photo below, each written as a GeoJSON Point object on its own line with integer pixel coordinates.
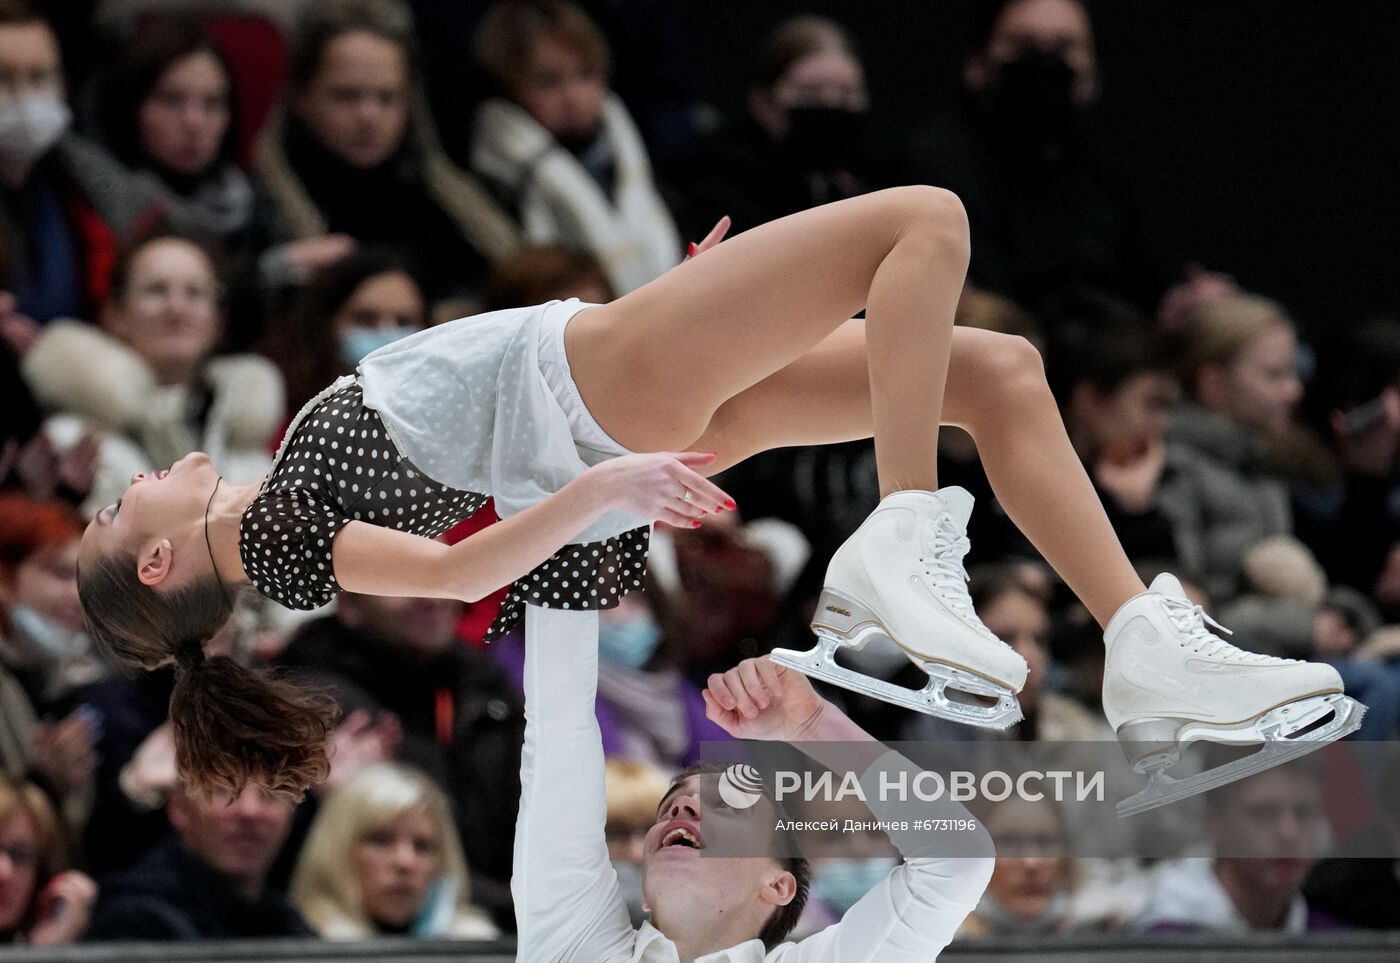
{"type": "Point", "coordinates": [210, 545]}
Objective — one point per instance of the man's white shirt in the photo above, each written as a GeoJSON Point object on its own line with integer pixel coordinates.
{"type": "Point", "coordinates": [568, 905]}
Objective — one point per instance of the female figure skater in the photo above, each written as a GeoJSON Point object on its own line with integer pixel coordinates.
{"type": "Point", "coordinates": [589, 423]}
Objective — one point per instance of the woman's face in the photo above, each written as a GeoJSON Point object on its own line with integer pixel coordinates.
{"type": "Point", "coordinates": [1030, 867]}
{"type": "Point", "coordinates": [19, 866]}
{"type": "Point", "coordinates": [823, 78]}
{"type": "Point", "coordinates": [182, 122]}
{"type": "Point", "coordinates": [158, 504]}
{"type": "Point", "coordinates": [168, 312]}
{"type": "Point", "coordinates": [357, 103]}
{"type": "Point", "coordinates": [47, 582]}
{"type": "Point", "coordinates": [562, 90]}
{"type": "Point", "coordinates": [381, 302]}
{"type": "Point", "coordinates": [396, 865]}
{"type": "Point", "coordinates": [1262, 385]}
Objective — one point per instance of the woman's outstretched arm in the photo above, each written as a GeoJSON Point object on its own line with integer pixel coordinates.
{"type": "Point", "coordinates": [381, 561]}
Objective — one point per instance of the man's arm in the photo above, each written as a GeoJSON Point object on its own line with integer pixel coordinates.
{"type": "Point", "coordinates": [567, 902]}
{"type": "Point", "coordinates": [912, 914]}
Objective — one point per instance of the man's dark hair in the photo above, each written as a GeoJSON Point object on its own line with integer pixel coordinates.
{"type": "Point", "coordinates": [784, 918]}
{"type": "Point", "coordinates": [1102, 340]}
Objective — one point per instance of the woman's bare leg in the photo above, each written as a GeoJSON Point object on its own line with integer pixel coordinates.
{"type": "Point", "coordinates": [654, 366]}
{"type": "Point", "coordinates": [997, 393]}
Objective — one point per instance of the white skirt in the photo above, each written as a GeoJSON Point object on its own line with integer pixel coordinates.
{"type": "Point", "coordinates": [487, 404]}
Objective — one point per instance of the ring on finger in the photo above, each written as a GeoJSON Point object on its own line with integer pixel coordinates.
{"type": "Point", "coordinates": [688, 496]}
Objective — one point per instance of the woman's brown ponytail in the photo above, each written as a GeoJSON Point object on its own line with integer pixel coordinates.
{"type": "Point", "coordinates": [235, 725]}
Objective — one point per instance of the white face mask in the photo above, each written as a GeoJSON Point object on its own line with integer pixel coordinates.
{"type": "Point", "coordinates": [31, 123]}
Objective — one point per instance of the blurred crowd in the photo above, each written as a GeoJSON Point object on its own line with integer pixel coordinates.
{"type": "Point", "coordinates": [209, 209]}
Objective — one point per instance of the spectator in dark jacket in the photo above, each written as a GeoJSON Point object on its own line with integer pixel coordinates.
{"type": "Point", "coordinates": [462, 721]}
{"type": "Point", "coordinates": [1352, 521]}
{"type": "Point", "coordinates": [353, 156]}
{"type": "Point", "coordinates": [1112, 376]}
{"type": "Point", "coordinates": [210, 880]}
{"type": "Point", "coordinates": [1047, 202]}
{"type": "Point", "coordinates": [801, 141]}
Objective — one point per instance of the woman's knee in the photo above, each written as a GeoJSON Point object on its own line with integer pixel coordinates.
{"type": "Point", "coordinates": [1008, 373]}
{"type": "Point", "coordinates": [933, 215]}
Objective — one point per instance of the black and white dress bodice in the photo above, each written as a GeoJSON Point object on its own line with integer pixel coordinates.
{"type": "Point", "coordinates": [340, 465]}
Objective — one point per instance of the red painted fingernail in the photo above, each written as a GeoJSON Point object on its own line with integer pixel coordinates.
{"type": "Point", "coordinates": [730, 503]}
{"type": "Point", "coordinates": [694, 524]}
{"type": "Point", "coordinates": [690, 250]}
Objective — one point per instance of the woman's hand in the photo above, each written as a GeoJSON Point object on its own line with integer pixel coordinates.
{"type": "Point", "coordinates": [63, 909]}
{"type": "Point", "coordinates": [716, 235]}
{"type": "Point", "coordinates": [759, 699]}
{"type": "Point", "coordinates": [663, 486]}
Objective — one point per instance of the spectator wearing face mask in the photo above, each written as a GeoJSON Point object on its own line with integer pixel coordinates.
{"type": "Point", "coordinates": [801, 141]}
{"type": "Point", "coordinates": [647, 710]}
{"type": "Point", "coordinates": [62, 217]}
{"type": "Point", "coordinates": [42, 640]}
{"type": "Point", "coordinates": [1047, 204]}
{"type": "Point", "coordinates": [560, 149]}
{"type": "Point", "coordinates": [366, 300]}
{"type": "Point", "coordinates": [148, 376]}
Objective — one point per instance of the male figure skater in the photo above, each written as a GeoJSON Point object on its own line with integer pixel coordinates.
{"type": "Point", "coordinates": [703, 910]}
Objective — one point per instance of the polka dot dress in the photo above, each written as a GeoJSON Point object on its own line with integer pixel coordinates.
{"type": "Point", "coordinates": [339, 465]}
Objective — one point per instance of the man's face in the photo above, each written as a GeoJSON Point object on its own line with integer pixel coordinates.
{"type": "Point", "coordinates": [238, 838]}
{"type": "Point", "coordinates": [677, 877]}
{"type": "Point", "coordinates": [1269, 827]}
{"type": "Point", "coordinates": [29, 60]}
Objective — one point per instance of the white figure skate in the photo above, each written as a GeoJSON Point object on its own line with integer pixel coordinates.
{"type": "Point", "coordinates": [901, 576]}
{"type": "Point", "coordinates": [1170, 681]}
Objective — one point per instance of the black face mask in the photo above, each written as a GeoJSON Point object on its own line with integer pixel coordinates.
{"type": "Point", "coordinates": [577, 142]}
{"type": "Point", "coordinates": [825, 138]}
{"type": "Point", "coordinates": [1030, 100]}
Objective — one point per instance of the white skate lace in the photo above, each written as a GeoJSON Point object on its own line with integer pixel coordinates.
{"type": "Point", "coordinates": [1193, 620]}
{"type": "Point", "coordinates": [945, 546]}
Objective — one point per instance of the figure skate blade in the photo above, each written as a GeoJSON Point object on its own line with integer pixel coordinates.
{"type": "Point", "coordinates": [1277, 748]}
{"type": "Point", "coordinates": [933, 699]}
